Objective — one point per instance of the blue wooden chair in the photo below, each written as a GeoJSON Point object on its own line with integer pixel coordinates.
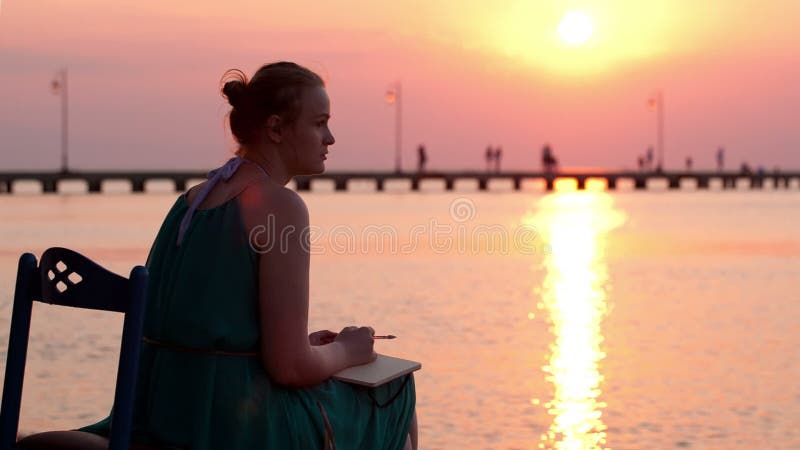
{"type": "Point", "coordinates": [68, 278]}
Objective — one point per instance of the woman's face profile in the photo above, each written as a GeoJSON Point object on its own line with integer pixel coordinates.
{"type": "Point", "coordinates": [310, 135]}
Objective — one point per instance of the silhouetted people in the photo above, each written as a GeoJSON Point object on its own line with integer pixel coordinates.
{"type": "Point", "coordinates": [422, 158]}
{"type": "Point", "coordinates": [688, 163]}
{"type": "Point", "coordinates": [720, 159]}
{"type": "Point", "coordinates": [649, 158]}
{"type": "Point", "coordinates": [549, 161]}
{"type": "Point", "coordinates": [498, 156]}
{"type": "Point", "coordinates": [489, 158]}
{"type": "Point", "coordinates": [745, 169]}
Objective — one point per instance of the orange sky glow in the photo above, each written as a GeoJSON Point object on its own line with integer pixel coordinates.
{"type": "Point", "coordinates": [143, 79]}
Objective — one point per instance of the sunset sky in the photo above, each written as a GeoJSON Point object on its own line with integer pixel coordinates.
{"type": "Point", "coordinates": [144, 79]}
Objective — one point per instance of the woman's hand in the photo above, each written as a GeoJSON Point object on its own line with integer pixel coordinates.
{"type": "Point", "coordinates": [359, 344]}
{"type": "Point", "coordinates": [322, 337]}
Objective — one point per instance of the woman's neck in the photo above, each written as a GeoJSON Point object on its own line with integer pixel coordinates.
{"type": "Point", "coordinates": [274, 168]}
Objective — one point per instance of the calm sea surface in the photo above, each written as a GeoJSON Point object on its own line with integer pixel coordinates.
{"type": "Point", "coordinates": [572, 321]}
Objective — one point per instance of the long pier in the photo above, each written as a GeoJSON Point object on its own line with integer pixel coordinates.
{"type": "Point", "coordinates": [637, 180]}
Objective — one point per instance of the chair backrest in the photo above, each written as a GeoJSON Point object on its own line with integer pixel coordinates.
{"type": "Point", "coordinates": [68, 278]}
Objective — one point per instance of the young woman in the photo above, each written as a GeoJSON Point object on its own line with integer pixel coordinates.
{"type": "Point", "coordinates": [227, 361]}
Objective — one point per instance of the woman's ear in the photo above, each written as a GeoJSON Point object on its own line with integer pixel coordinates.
{"type": "Point", "coordinates": [274, 127]}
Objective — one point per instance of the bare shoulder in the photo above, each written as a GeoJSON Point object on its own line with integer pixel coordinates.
{"type": "Point", "coordinates": [261, 201]}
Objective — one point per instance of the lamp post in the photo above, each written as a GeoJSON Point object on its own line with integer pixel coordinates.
{"type": "Point", "coordinates": [656, 102]}
{"type": "Point", "coordinates": [59, 86]}
{"type": "Point", "coordinates": [394, 96]}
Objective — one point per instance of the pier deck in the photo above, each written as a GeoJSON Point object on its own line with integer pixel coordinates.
{"type": "Point", "coordinates": [639, 180]}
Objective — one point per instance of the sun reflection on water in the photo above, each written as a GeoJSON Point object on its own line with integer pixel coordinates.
{"type": "Point", "coordinates": [574, 297]}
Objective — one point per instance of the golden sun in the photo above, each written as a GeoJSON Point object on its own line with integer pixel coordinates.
{"type": "Point", "coordinates": [575, 28]}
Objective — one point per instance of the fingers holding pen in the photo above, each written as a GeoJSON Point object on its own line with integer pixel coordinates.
{"type": "Point", "coordinates": [352, 328]}
{"type": "Point", "coordinates": [371, 332]}
{"type": "Point", "coordinates": [359, 343]}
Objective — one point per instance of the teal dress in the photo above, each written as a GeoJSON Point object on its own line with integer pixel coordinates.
{"type": "Point", "coordinates": [203, 294]}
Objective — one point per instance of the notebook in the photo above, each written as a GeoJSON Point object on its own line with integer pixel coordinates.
{"type": "Point", "coordinates": [382, 370]}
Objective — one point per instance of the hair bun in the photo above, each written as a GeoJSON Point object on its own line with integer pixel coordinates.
{"type": "Point", "coordinates": [235, 90]}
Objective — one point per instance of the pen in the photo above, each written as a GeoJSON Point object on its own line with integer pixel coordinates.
{"type": "Point", "coordinates": [390, 336]}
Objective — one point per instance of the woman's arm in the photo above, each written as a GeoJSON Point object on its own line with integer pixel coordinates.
{"type": "Point", "coordinates": [284, 260]}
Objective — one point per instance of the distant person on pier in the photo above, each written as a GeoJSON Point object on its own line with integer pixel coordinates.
{"type": "Point", "coordinates": [489, 158]}
{"type": "Point", "coordinates": [549, 161]}
{"type": "Point", "coordinates": [649, 158]}
{"type": "Point", "coordinates": [422, 158]}
{"type": "Point", "coordinates": [745, 169]}
{"type": "Point", "coordinates": [227, 360]}
{"type": "Point", "coordinates": [688, 163]}
{"type": "Point", "coordinates": [498, 157]}
{"type": "Point", "coordinates": [720, 159]}
{"type": "Point", "coordinates": [640, 163]}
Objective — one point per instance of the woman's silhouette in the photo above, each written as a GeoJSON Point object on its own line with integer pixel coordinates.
{"type": "Point", "coordinates": [228, 362]}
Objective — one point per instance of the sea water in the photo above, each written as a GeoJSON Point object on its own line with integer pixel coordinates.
{"type": "Point", "coordinates": [573, 320]}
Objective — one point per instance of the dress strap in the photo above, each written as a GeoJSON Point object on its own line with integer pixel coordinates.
{"type": "Point", "coordinates": [223, 173]}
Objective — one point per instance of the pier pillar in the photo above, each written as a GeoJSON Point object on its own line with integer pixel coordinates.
{"type": "Point", "coordinates": [341, 184]}
{"type": "Point", "coordinates": [49, 186]}
{"type": "Point", "coordinates": [180, 184]}
{"type": "Point", "coordinates": [729, 183]}
{"type": "Point", "coordinates": [379, 184]}
{"type": "Point", "coordinates": [702, 183]}
{"type": "Point", "coordinates": [640, 183]}
{"type": "Point", "coordinates": [138, 185]}
{"type": "Point", "coordinates": [483, 184]}
{"type": "Point", "coordinates": [415, 184]}
{"type": "Point", "coordinates": [97, 185]}
{"type": "Point", "coordinates": [756, 183]}
{"type": "Point", "coordinates": [674, 183]}
{"type": "Point", "coordinates": [581, 183]}
{"type": "Point", "coordinates": [449, 184]}
{"type": "Point", "coordinates": [9, 186]}
{"type": "Point", "coordinates": [550, 184]}
{"type": "Point", "coordinates": [517, 183]}
{"type": "Point", "coordinates": [303, 183]}
{"type": "Point", "coordinates": [611, 184]}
